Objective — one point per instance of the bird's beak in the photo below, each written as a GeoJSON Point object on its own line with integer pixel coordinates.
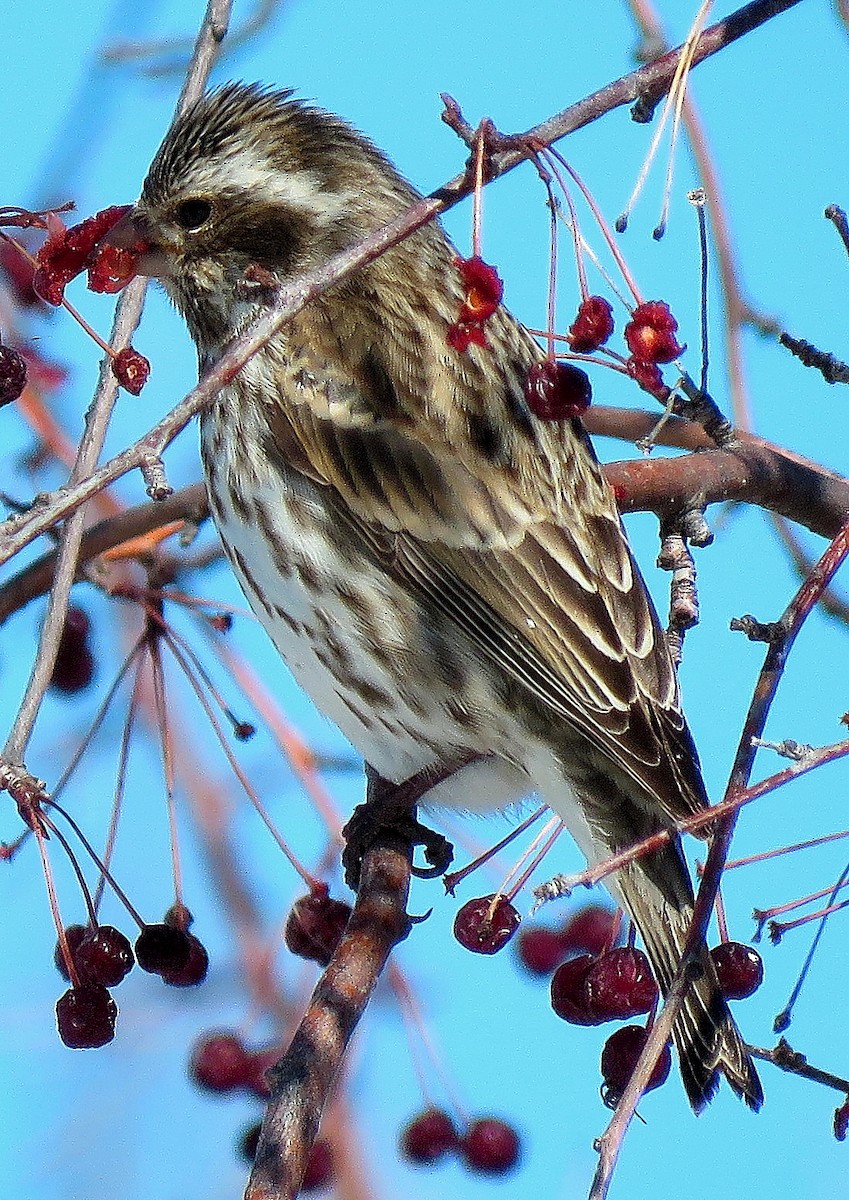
{"type": "Point", "coordinates": [133, 232]}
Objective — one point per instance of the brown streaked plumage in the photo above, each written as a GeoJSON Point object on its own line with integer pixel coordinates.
{"type": "Point", "coordinates": [445, 575]}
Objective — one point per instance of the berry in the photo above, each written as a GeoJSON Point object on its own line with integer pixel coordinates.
{"type": "Point", "coordinates": [220, 1063]}
{"type": "Point", "coordinates": [194, 969]}
{"type": "Point", "coordinates": [739, 968]}
{"type": "Point", "coordinates": [18, 272]}
{"type": "Point", "coordinates": [540, 950]}
{"type": "Point", "coordinates": [111, 268]}
{"type": "Point", "coordinates": [619, 1058]}
{"type": "Point", "coordinates": [556, 391]}
{"type": "Point", "coordinates": [461, 335]}
{"type": "Point", "coordinates": [490, 1146]}
{"type": "Point", "coordinates": [569, 994]}
{"type": "Point", "coordinates": [74, 935]}
{"type": "Point", "coordinates": [648, 376]}
{"type": "Point", "coordinates": [485, 924]}
{"type": "Point", "coordinates": [104, 956]}
{"type": "Point", "coordinates": [74, 667]}
{"type": "Point", "coordinates": [13, 374]}
{"type": "Point", "coordinates": [131, 369]}
{"type": "Point", "coordinates": [315, 925]}
{"type": "Point", "coordinates": [429, 1136]}
{"type": "Point", "coordinates": [249, 1141]}
{"type": "Point", "coordinates": [159, 948]}
{"type": "Point", "coordinates": [484, 290]}
{"type": "Point", "coordinates": [650, 334]}
{"type": "Point", "coordinates": [590, 930]}
{"type": "Point", "coordinates": [592, 326]}
{"type": "Point", "coordinates": [85, 1017]}
{"type": "Point", "coordinates": [655, 313]}
{"type": "Point", "coordinates": [319, 1170]}
{"type": "Point", "coordinates": [621, 985]}
{"type": "Point", "coordinates": [68, 251]}
{"type": "Point", "coordinates": [259, 1061]}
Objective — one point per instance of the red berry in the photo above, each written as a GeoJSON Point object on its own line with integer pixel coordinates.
{"type": "Point", "coordinates": [652, 345]}
{"type": "Point", "coordinates": [260, 1061]}
{"type": "Point", "coordinates": [490, 1146]}
{"type": "Point", "coordinates": [159, 948]}
{"type": "Point", "coordinates": [111, 268]}
{"type": "Point", "coordinates": [429, 1136]}
{"type": "Point", "coordinates": [556, 391]}
{"type": "Point", "coordinates": [462, 334]}
{"type": "Point", "coordinates": [74, 935]}
{"type": "Point", "coordinates": [220, 1063]}
{"type": "Point", "coordinates": [194, 970]}
{"type": "Point", "coordinates": [569, 995]}
{"type": "Point", "coordinates": [619, 1058]}
{"type": "Point", "coordinates": [739, 968]}
{"type": "Point", "coordinates": [13, 374]}
{"type": "Point", "coordinates": [592, 326]}
{"type": "Point", "coordinates": [655, 313]}
{"type": "Point", "coordinates": [67, 252]}
{"type": "Point", "coordinates": [249, 1141]}
{"type": "Point", "coordinates": [648, 376]}
{"type": "Point", "coordinates": [486, 924]}
{"type": "Point", "coordinates": [319, 1172]}
{"type": "Point", "coordinates": [104, 956]}
{"type": "Point", "coordinates": [621, 985]}
{"type": "Point", "coordinates": [131, 369]}
{"type": "Point", "coordinates": [484, 290]}
{"type": "Point", "coordinates": [85, 1017]}
{"type": "Point", "coordinates": [74, 667]}
{"type": "Point", "coordinates": [540, 950]}
{"type": "Point", "coordinates": [590, 930]}
{"type": "Point", "coordinates": [315, 925]}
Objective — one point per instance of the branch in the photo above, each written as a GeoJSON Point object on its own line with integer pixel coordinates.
{"type": "Point", "coordinates": [302, 1080]}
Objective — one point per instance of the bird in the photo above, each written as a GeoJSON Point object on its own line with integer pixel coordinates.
{"type": "Point", "coordinates": [446, 575]}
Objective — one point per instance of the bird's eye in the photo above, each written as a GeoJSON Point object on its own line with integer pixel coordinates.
{"type": "Point", "coordinates": [193, 213]}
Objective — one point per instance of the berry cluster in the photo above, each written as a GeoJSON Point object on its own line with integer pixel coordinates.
{"type": "Point", "coordinates": [484, 291]}
{"type": "Point", "coordinates": [488, 1145]}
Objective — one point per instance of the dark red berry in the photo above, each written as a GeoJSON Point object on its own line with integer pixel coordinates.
{"type": "Point", "coordinates": [619, 1058]}
{"type": "Point", "coordinates": [194, 970]}
{"type": "Point", "coordinates": [131, 369]}
{"type": "Point", "coordinates": [540, 950]}
{"type": "Point", "coordinates": [592, 326]}
{"type": "Point", "coordinates": [85, 1017]}
{"type": "Point", "coordinates": [159, 948]}
{"type": "Point", "coordinates": [249, 1141]}
{"type": "Point", "coordinates": [655, 313]}
{"type": "Point", "coordinates": [104, 956]}
{"type": "Point", "coordinates": [315, 925]}
{"type": "Point", "coordinates": [319, 1172]}
{"type": "Point", "coordinates": [841, 1121]}
{"type": "Point", "coordinates": [621, 985]}
{"type": "Point", "coordinates": [652, 345]}
{"type": "Point", "coordinates": [429, 1136]}
{"type": "Point", "coordinates": [648, 376]}
{"type": "Point", "coordinates": [490, 1146]}
{"type": "Point", "coordinates": [569, 995]}
{"type": "Point", "coordinates": [590, 930]}
{"type": "Point", "coordinates": [111, 268]}
{"type": "Point", "coordinates": [739, 968]}
{"type": "Point", "coordinates": [462, 334]}
{"type": "Point", "coordinates": [13, 374]}
{"type": "Point", "coordinates": [74, 935]}
{"type": "Point", "coordinates": [220, 1063]}
{"type": "Point", "coordinates": [486, 924]}
{"type": "Point", "coordinates": [68, 251]}
{"type": "Point", "coordinates": [74, 667]}
{"type": "Point", "coordinates": [557, 391]}
{"type": "Point", "coordinates": [259, 1062]}
{"type": "Point", "coordinates": [484, 290]}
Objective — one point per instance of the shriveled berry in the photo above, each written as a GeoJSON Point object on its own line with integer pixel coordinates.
{"type": "Point", "coordinates": [484, 289]}
{"type": "Point", "coordinates": [648, 376]}
{"type": "Point", "coordinates": [104, 956]}
{"type": "Point", "coordinates": [569, 995]}
{"type": "Point", "coordinates": [195, 968]}
{"type": "Point", "coordinates": [85, 1017]}
{"type": "Point", "coordinates": [315, 925]}
{"type": "Point", "coordinates": [557, 391]}
{"type": "Point", "coordinates": [131, 369]}
{"type": "Point", "coordinates": [220, 1062]}
{"type": "Point", "coordinates": [491, 1146]}
{"type": "Point", "coordinates": [111, 268]}
{"type": "Point", "coordinates": [74, 935]}
{"type": "Point", "coordinates": [74, 667]}
{"type": "Point", "coordinates": [429, 1137]}
{"type": "Point", "coordinates": [619, 1058]}
{"type": "Point", "coordinates": [486, 924]}
{"type": "Point", "coordinates": [621, 984]}
{"type": "Point", "coordinates": [592, 326]}
{"type": "Point", "coordinates": [655, 313]}
{"type": "Point", "coordinates": [463, 334]}
{"type": "Point", "coordinates": [739, 968]}
{"type": "Point", "coordinates": [652, 345]}
{"type": "Point", "coordinates": [249, 1141]}
{"type": "Point", "coordinates": [160, 948]}
{"type": "Point", "coordinates": [540, 950]}
{"type": "Point", "coordinates": [320, 1171]}
{"type": "Point", "coordinates": [13, 374]}
{"type": "Point", "coordinates": [68, 251]}
{"type": "Point", "coordinates": [590, 930]}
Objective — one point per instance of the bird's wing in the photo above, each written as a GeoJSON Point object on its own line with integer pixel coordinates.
{"type": "Point", "coordinates": [525, 554]}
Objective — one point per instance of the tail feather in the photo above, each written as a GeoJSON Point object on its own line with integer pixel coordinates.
{"type": "Point", "coordinates": [705, 1034]}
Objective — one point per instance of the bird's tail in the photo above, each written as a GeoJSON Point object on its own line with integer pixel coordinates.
{"type": "Point", "coordinates": [705, 1034]}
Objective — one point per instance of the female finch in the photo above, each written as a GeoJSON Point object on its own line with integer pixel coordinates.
{"type": "Point", "coordinates": [444, 574]}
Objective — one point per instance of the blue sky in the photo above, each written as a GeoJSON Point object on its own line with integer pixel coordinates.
{"type": "Point", "coordinates": [124, 1121]}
